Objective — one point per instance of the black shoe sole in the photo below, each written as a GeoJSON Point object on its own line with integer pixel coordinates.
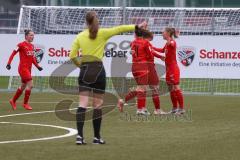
{"type": "Point", "coordinates": [81, 144]}
{"type": "Point", "coordinates": [99, 143]}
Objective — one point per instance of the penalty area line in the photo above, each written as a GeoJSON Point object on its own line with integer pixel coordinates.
{"type": "Point", "coordinates": [42, 112]}
{"type": "Point", "coordinates": [36, 102]}
{"type": "Point", "coordinates": [71, 132]}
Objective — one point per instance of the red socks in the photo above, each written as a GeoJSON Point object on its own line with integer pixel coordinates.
{"type": "Point", "coordinates": [156, 100]}
{"type": "Point", "coordinates": [17, 94]}
{"type": "Point", "coordinates": [27, 95]}
{"type": "Point", "coordinates": [179, 96]}
{"type": "Point", "coordinates": [174, 99]}
{"type": "Point", "coordinates": [130, 95]}
{"type": "Point", "coordinates": [141, 99]}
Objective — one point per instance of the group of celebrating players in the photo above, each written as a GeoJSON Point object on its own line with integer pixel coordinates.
{"type": "Point", "coordinates": [91, 42]}
{"type": "Point", "coordinates": [144, 72]}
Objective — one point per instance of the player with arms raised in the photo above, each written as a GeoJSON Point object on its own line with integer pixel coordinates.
{"type": "Point", "coordinates": [27, 58]}
{"type": "Point", "coordinates": [172, 69]}
{"type": "Point", "coordinates": [143, 70]}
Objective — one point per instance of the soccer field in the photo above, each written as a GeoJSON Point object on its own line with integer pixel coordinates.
{"type": "Point", "coordinates": [190, 46]}
{"type": "Point", "coordinates": [211, 132]}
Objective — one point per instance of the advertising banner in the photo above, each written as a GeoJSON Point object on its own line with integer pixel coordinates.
{"type": "Point", "coordinates": [197, 56]}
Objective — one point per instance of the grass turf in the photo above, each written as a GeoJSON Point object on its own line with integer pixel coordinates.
{"type": "Point", "coordinates": [191, 85]}
{"type": "Point", "coordinates": [213, 133]}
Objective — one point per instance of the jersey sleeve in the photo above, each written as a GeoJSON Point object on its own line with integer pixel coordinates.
{"type": "Point", "coordinates": [155, 54]}
{"type": "Point", "coordinates": [19, 45]}
{"type": "Point", "coordinates": [172, 43]}
{"type": "Point", "coordinates": [161, 50]}
{"type": "Point", "coordinates": [109, 32]}
{"type": "Point", "coordinates": [148, 48]}
{"type": "Point", "coordinates": [14, 52]}
{"type": "Point", "coordinates": [35, 62]}
{"type": "Point", "coordinates": [74, 52]}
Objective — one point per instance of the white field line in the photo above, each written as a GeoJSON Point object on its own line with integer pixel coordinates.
{"type": "Point", "coordinates": [71, 132]}
{"type": "Point", "coordinates": [31, 113]}
{"type": "Point", "coordinates": [36, 102]}
{"type": "Point", "coordinates": [42, 112]}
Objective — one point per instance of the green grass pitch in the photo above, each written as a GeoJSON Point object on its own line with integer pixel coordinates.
{"type": "Point", "coordinates": [212, 133]}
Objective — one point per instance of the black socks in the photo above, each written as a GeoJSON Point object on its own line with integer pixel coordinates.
{"type": "Point", "coordinates": [80, 117]}
{"type": "Point", "coordinates": [97, 119]}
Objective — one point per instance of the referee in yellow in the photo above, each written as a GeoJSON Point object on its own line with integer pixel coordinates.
{"type": "Point", "coordinates": [92, 77]}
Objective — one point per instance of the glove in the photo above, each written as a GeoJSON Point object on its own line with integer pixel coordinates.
{"type": "Point", "coordinates": [40, 68]}
{"type": "Point", "coordinates": [8, 66]}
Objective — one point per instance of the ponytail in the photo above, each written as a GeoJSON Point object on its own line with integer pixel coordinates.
{"type": "Point", "coordinates": [138, 31]}
{"type": "Point", "coordinates": [92, 22]}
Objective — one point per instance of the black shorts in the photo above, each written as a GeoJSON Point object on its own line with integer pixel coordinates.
{"type": "Point", "coordinates": [92, 77]}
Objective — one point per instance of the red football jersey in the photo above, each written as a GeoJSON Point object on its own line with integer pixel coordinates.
{"type": "Point", "coordinates": [140, 50]}
{"type": "Point", "coordinates": [153, 53]}
{"type": "Point", "coordinates": [170, 54]}
{"type": "Point", "coordinates": [26, 54]}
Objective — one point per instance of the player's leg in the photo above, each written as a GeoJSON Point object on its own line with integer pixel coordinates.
{"type": "Point", "coordinates": [153, 82]}
{"type": "Point", "coordinates": [97, 117]}
{"type": "Point", "coordinates": [84, 92]}
{"type": "Point", "coordinates": [26, 77]}
{"type": "Point", "coordinates": [173, 97]}
{"type": "Point", "coordinates": [156, 99]}
{"type": "Point", "coordinates": [172, 80]}
{"type": "Point", "coordinates": [180, 100]}
{"type": "Point", "coordinates": [29, 86]}
{"type": "Point", "coordinates": [141, 100]}
{"type": "Point", "coordinates": [140, 74]}
{"type": "Point", "coordinates": [99, 87]}
{"type": "Point", "coordinates": [80, 115]}
{"type": "Point", "coordinates": [17, 95]}
{"type": "Point", "coordinates": [132, 93]}
{"type": "Point", "coordinates": [177, 90]}
{"type": "Point", "coordinates": [155, 96]}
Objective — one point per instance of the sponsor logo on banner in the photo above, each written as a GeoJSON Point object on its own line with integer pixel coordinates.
{"type": "Point", "coordinates": [39, 52]}
{"type": "Point", "coordinates": [215, 54]}
{"type": "Point", "coordinates": [186, 55]}
{"type": "Point", "coordinates": [211, 58]}
{"type": "Point", "coordinates": [113, 49]}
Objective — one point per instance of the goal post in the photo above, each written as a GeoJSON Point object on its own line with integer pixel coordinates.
{"type": "Point", "coordinates": [192, 22]}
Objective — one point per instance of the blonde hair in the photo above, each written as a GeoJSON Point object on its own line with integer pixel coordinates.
{"type": "Point", "coordinates": [172, 32]}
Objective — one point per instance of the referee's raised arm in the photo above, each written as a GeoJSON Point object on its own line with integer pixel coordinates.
{"type": "Point", "coordinates": [109, 32]}
{"type": "Point", "coordinates": [92, 77]}
{"type": "Point", "coordinates": [92, 40]}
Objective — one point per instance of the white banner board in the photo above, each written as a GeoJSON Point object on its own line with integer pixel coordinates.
{"type": "Point", "coordinates": [198, 56]}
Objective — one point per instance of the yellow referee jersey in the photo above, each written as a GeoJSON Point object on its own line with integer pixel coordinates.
{"type": "Point", "coordinates": [93, 49]}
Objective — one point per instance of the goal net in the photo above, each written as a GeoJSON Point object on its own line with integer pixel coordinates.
{"type": "Point", "coordinates": [190, 21]}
